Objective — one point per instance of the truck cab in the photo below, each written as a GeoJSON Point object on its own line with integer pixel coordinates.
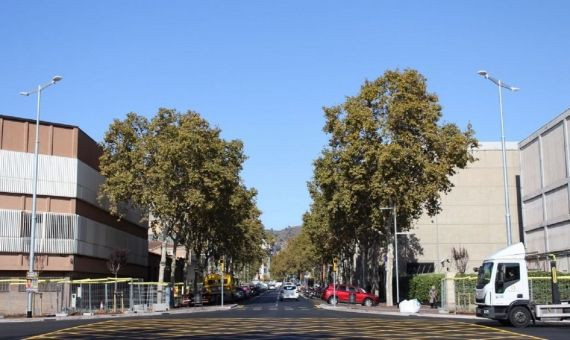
{"type": "Point", "coordinates": [502, 285]}
{"type": "Point", "coordinates": [502, 290]}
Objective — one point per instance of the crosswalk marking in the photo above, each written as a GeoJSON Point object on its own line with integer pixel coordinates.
{"type": "Point", "coordinates": [275, 328]}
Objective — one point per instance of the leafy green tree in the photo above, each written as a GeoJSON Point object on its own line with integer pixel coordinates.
{"type": "Point", "coordinates": [179, 170]}
{"type": "Point", "coordinates": [298, 256]}
{"type": "Point", "coordinates": [387, 148]}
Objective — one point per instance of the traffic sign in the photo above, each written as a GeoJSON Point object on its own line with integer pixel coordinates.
{"type": "Point", "coordinates": [32, 282]}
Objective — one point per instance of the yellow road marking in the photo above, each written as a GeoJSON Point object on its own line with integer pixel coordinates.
{"type": "Point", "coordinates": [276, 327]}
{"type": "Point", "coordinates": [505, 331]}
{"type": "Point", "coordinates": [41, 336]}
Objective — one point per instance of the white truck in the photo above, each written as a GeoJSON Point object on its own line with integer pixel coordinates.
{"type": "Point", "coordinates": [502, 291]}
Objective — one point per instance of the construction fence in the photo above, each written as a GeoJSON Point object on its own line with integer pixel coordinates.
{"type": "Point", "coordinates": [97, 296]}
{"type": "Point", "coordinates": [463, 291]}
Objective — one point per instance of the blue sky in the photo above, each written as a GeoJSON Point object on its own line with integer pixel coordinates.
{"type": "Point", "coordinates": [262, 70]}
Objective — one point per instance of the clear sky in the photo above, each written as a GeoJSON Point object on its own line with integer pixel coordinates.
{"type": "Point", "coordinates": [262, 70]}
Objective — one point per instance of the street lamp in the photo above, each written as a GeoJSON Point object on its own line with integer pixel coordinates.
{"type": "Point", "coordinates": [501, 85]}
{"type": "Point", "coordinates": [31, 273]}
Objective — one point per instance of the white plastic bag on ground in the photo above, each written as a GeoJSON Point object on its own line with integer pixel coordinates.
{"type": "Point", "coordinates": [410, 306]}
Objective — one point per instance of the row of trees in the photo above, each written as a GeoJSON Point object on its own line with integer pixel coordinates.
{"type": "Point", "coordinates": [298, 256]}
{"type": "Point", "coordinates": [387, 153]}
{"type": "Point", "coordinates": [178, 170]}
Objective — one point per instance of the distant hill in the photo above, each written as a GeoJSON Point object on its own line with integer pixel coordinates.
{"type": "Point", "coordinates": [283, 236]}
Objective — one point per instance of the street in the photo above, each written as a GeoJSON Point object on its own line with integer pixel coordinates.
{"type": "Point", "coordinates": [264, 317]}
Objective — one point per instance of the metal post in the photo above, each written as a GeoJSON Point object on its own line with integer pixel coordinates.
{"type": "Point", "coordinates": [396, 255]}
{"type": "Point", "coordinates": [106, 297]}
{"type": "Point", "coordinates": [500, 84]}
{"type": "Point", "coordinates": [131, 306]}
{"type": "Point", "coordinates": [334, 289]}
{"type": "Point", "coordinates": [31, 272]}
{"type": "Point", "coordinates": [505, 177]}
{"type": "Point", "coordinates": [90, 309]}
{"type": "Point", "coordinates": [222, 297]}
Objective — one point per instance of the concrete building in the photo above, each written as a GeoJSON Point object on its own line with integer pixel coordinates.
{"type": "Point", "coordinates": [545, 173]}
{"type": "Point", "coordinates": [75, 234]}
{"type": "Point", "coordinates": [473, 213]}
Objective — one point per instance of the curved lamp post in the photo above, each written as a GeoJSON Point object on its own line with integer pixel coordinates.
{"type": "Point", "coordinates": [31, 273]}
{"type": "Point", "coordinates": [500, 84]}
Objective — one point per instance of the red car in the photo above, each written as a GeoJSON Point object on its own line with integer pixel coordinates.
{"type": "Point", "coordinates": [349, 294]}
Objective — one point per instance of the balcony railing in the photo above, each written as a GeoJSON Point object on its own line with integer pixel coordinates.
{"type": "Point", "coordinates": [58, 233]}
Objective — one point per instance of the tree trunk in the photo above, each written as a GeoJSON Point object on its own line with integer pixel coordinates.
{"type": "Point", "coordinates": [162, 256]}
{"type": "Point", "coordinates": [173, 273]}
{"type": "Point", "coordinates": [364, 261]}
{"type": "Point", "coordinates": [160, 287]}
{"type": "Point", "coordinates": [353, 273]}
{"type": "Point", "coordinates": [388, 266]}
{"type": "Point", "coordinates": [187, 263]}
{"type": "Point", "coordinates": [114, 293]}
{"type": "Point", "coordinates": [173, 263]}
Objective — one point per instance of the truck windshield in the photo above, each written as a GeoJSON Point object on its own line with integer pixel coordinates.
{"type": "Point", "coordinates": [484, 275]}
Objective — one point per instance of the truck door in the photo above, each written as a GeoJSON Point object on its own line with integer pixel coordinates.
{"type": "Point", "coordinates": [508, 284]}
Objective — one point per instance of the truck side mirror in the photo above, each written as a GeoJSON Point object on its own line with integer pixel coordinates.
{"type": "Point", "coordinates": [476, 269]}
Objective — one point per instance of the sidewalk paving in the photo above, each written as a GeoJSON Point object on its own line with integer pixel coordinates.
{"type": "Point", "coordinates": [128, 314]}
{"type": "Point", "coordinates": [382, 309]}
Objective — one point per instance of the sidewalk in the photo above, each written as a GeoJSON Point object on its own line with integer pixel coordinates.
{"type": "Point", "coordinates": [382, 309]}
{"type": "Point", "coordinates": [128, 314]}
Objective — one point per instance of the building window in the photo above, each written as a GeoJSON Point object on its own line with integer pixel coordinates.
{"type": "Point", "coordinates": [420, 268]}
{"type": "Point", "coordinates": [4, 287]}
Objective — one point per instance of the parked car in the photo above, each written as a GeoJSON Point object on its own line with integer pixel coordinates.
{"type": "Point", "coordinates": [349, 294]}
{"type": "Point", "coordinates": [239, 294]}
{"type": "Point", "coordinates": [288, 291]}
{"type": "Point", "coordinates": [246, 290]}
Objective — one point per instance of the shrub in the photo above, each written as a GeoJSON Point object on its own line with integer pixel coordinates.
{"type": "Point", "coordinates": [421, 284]}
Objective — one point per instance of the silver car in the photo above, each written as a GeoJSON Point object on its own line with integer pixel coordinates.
{"type": "Point", "coordinates": [288, 291]}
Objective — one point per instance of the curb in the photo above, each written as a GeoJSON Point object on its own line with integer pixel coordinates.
{"type": "Point", "coordinates": [378, 312]}
{"type": "Point", "coordinates": [189, 310]}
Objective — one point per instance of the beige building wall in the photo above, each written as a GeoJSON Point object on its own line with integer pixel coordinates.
{"type": "Point", "coordinates": [473, 213]}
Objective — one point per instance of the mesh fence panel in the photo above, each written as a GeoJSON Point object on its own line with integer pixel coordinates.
{"type": "Point", "coordinates": [541, 289]}
{"type": "Point", "coordinates": [82, 296]}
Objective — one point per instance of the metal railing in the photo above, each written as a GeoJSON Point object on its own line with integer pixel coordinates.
{"type": "Point", "coordinates": [97, 296]}
{"type": "Point", "coordinates": [539, 290]}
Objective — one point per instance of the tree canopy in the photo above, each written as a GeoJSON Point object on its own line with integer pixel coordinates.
{"type": "Point", "coordinates": [387, 148]}
{"type": "Point", "coordinates": [178, 169]}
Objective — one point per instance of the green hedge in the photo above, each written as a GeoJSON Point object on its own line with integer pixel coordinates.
{"type": "Point", "coordinates": [541, 289]}
{"type": "Point", "coordinates": [421, 284]}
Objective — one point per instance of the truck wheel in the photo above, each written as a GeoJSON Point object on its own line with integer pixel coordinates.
{"type": "Point", "coordinates": [519, 317]}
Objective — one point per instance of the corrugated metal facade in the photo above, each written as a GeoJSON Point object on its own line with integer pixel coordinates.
{"type": "Point", "coordinates": [67, 234]}
{"type": "Point", "coordinates": [74, 231]}
{"type": "Point", "coordinates": [57, 176]}
{"type": "Point", "coordinates": [545, 176]}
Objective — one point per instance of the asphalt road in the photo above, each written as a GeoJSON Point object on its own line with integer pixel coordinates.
{"type": "Point", "coordinates": [264, 317]}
